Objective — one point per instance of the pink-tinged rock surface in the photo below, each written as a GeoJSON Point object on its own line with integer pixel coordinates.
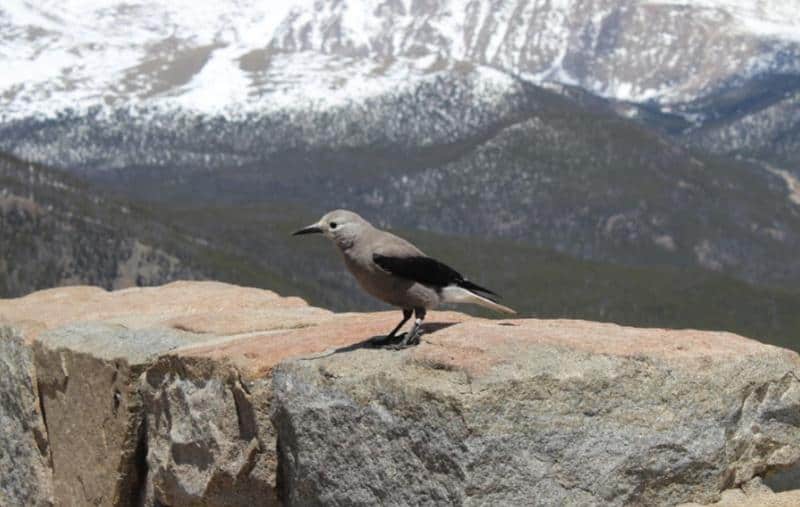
{"type": "Point", "coordinates": [200, 307]}
{"type": "Point", "coordinates": [199, 392]}
{"type": "Point", "coordinates": [455, 340]}
{"type": "Point", "coordinates": [257, 328]}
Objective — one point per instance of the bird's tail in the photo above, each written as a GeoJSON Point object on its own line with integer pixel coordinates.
{"type": "Point", "coordinates": [455, 294]}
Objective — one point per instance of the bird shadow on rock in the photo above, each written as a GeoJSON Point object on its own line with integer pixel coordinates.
{"type": "Point", "coordinates": [374, 341]}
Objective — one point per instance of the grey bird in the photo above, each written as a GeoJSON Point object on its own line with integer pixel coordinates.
{"type": "Point", "coordinates": [396, 272]}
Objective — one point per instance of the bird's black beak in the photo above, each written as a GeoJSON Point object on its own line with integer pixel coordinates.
{"type": "Point", "coordinates": [311, 229]}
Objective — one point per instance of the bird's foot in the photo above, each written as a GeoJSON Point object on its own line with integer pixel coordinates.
{"type": "Point", "coordinates": [409, 340]}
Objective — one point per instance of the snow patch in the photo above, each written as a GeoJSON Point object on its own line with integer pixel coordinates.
{"type": "Point", "coordinates": [792, 182]}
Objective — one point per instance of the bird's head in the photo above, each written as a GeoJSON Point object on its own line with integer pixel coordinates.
{"type": "Point", "coordinates": [342, 226]}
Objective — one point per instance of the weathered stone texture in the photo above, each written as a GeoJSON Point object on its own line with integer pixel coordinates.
{"type": "Point", "coordinates": [209, 438]}
{"type": "Point", "coordinates": [89, 386]}
{"type": "Point", "coordinates": [25, 473]}
{"type": "Point", "coordinates": [519, 416]}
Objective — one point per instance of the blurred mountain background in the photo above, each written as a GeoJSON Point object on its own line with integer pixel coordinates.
{"type": "Point", "coordinates": [627, 161]}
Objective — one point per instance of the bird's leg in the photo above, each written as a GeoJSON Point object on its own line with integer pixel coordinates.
{"type": "Point", "coordinates": [391, 336]}
{"type": "Point", "coordinates": [406, 315]}
{"type": "Point", "coordinates": [412, 337]}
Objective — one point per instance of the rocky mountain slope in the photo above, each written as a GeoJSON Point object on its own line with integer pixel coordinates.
{"type": "Point", "coordinates": [626, 50]}
{"type": "Point", "coordinates": [448, 108]}
{"type": "Point", "coordinates": [53, 233]}
{"type": "Point", "coordinates": [590, 184]}
{"type": "Point", "coordinates": [762, 124]}
{"type": "Point", "coordinates": [56, 230]}
{"type": "Point", "coordinates": [494, 157]}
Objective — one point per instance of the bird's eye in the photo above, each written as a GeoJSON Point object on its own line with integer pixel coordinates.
{"type": "Point", "coordinates": [333, 225]}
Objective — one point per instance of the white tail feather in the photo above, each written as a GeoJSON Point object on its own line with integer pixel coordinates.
{"type": "Point", "coordinates": [454, 294]}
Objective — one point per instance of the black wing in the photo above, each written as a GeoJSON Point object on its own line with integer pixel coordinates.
{"type": "Point", "coordinates": [425, 270]}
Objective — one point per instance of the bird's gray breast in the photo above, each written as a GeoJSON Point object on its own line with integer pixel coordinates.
{"type": "Point", "coordinates": [382, 285]}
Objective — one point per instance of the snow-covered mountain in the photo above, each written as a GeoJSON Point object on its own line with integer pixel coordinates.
{"type": "Point", "coordinates": [665, 51]}
{"type": "Point", "coordinates": [234, 55]}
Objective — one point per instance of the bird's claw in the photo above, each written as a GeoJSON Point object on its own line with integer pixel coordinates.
{"type": "Point", "coordinates": [409, 339]}
{"type": "Point", "coordinates": [413, 339]}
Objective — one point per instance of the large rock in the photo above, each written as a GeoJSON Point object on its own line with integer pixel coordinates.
{"type": "Point", "coordinates": [25, 473]}
{"type": "Point", "coordinates": [209, 394]}
{"type": "Point", "coordinates": [131, 419]}
{"type": "Point", "coordinates": [542, 412]}
{"type": "Point", "coordinates": [88, 378]}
